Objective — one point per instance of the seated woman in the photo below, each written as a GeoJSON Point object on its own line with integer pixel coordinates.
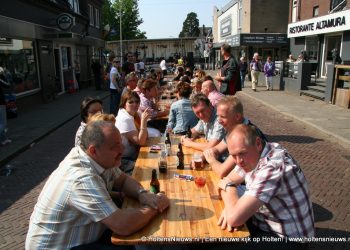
{"type": "Point", "coordinates": [88, 107]}
{"type": "Point", "coordinates": [181, 115]}
{"type": "Point", "coordinates": [150, 92]}
{"type": "Point", "coordinates": [132, 127]}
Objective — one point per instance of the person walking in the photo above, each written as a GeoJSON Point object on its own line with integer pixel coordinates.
{"type": "Point", "coordinates": [243, 69]}
{"type": "Point", "coordinates": [269, 70]}
{"type": "Point", "coordinates": [255, 68]}
{"type": "Point", "coordinates": [115, 87]}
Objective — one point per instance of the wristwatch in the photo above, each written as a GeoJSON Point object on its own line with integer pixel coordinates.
{"type": "Point", "coordinates": [230, 184]}
{"type": "Point", "coordinates": [141, 191]}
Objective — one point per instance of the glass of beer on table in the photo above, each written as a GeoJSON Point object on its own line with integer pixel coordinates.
{"type": "Point", "coordinates": [197, 161]}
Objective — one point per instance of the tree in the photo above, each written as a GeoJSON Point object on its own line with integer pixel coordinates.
{"type": "Point", "coordinates": [190, 27]}
{"type": "Point", "coordinates": [130, 19]}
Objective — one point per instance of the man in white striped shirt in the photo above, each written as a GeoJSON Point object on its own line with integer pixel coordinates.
{"type": "Point", "coordinates": [75, 208]}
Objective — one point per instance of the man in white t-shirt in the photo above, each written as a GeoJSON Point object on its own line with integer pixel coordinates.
{"type": "Point", "coordinates": [115, 87]}
{"type": "Point", "coordinates": [162, 66]}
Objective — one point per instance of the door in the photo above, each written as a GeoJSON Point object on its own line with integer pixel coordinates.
{"type": "Point", "coordinates": [332, 42]}
{"type": "Point", "coordinates": [47, 69]}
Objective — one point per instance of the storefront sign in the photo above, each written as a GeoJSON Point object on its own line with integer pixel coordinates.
{"type": "Point", "coordinates": [5, 40]}
{"type": "Point", "coordinates": [226, 27]}
{"type": "Point", "coordinates": [264, 39]}
{"type": "Point", "coordinates": [65, 21]}
{"type": "Point", "coordinates": [335, 22]}
{"type": "Point", "coordinates": [233, 41]}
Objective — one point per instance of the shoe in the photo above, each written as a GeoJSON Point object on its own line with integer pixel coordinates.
{"type": "Point", "coordinates": [254, 90]}
{"type": "Point", "coordinates": [4, 142]}
{"type": "Point", "coordinates": [267, 89]}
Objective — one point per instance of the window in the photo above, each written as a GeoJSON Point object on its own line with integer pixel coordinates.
{"type": "Point", "coordinates": [337, 4]}
{"type": "Point", "coordinates": [97, 18]}
{"type": "Point", "coordinates": [294, 11]}
{"type": "Point", "coordinates": [18, 60]}
{"type": "Point", "coordinates": [315, 11]}
{"type": "Point", "coordinates": [75, 5]}
{"type": "Point", "coordinates": [312, 47]}
{"type": "Point", "coordinates": [91, 14]}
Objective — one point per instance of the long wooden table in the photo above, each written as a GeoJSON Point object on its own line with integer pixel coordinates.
{"type": "Point", "coordinates": [193, 212]}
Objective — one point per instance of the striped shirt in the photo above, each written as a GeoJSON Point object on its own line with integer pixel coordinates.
{"type": "Point", "coordinates": [73, 201]}
{"type": "Point", "coordinates": [280, 184]}
{"type": "Point", "coordinates": [212, 130]}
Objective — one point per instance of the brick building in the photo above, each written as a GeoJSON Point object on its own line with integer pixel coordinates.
{"type": "Point", "coordinates": [318, 27]}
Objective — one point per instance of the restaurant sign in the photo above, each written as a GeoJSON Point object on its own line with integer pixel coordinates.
{"type": "Point", "coordinates": [335, 22]}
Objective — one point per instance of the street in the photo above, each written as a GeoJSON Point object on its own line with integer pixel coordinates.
{"type": "Point", "coordinates": [325, 164]}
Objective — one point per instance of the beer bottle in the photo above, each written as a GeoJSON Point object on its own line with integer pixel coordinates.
{"type": "Point", "coordinates": [180, 157]}
{"type": "Point", "coordinates": [189, 132]}
{"type": "Point", "coordinates": [154, 185]}
{"type": "Point", "coordinates": [168, 144]}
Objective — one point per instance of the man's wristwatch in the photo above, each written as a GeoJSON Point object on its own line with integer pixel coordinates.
{"type": "Point", "coordinates": [230, 184]}
{"type": "Point", "coordinates": [141, 191]}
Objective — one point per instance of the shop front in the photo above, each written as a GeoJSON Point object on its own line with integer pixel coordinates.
{"type": "Point", "coordinates": [322, 38]}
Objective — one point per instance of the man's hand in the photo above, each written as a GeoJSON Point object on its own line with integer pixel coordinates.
{"type": "Point", "coordinates": [156, 201]}
{"type": "Point", "coordinates": [210, 155]}
{"type": "Point", "coordinates": [223, 222]}
{"type": "Point", "coordinates": [185, 141]}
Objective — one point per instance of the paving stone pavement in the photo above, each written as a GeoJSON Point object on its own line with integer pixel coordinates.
{"type": "Point", "coordinates": [326, 165]}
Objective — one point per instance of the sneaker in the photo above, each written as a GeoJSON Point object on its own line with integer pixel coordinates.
{"type": "Point", "coordinates": [4, 142]}
{"type": "Point", "coordinates": [254, 90]}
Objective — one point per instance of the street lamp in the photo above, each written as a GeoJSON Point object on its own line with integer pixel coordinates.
{"type": "Point", "coordinates": [120, 33]}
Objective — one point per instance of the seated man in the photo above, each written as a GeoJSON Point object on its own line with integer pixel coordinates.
{"type": "Point", "coordinates": [209, 89]}
{"type": "Point", "coordinates": [75, 208]}
{"type": "Point", "coordinates": [208, 124]}
{"type": "Point", "coordinates": [277, 198]}
{"type": "Point", "coordinates": [230, 114]}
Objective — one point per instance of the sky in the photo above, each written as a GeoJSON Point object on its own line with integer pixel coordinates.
{"type": "Point", "coordinates": [164, 18]}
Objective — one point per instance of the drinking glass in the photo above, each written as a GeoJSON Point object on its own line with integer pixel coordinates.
{"type": "Point", "coordinates": [197, 161]}
{"type": "Point", "coordinates": [200, 181]}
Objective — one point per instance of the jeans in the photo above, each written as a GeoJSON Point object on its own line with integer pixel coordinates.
{"type": "Point", "coordinates": [115, 100]}
{"type": "Point", "coordinates": [242, 74]}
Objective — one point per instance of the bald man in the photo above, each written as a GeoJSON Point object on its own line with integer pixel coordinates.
{"type": "Point", "coordinates": [209, 89]}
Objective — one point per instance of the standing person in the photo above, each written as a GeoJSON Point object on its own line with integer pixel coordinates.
{"type": "Point", "coordinates": [255, 68]}
{"type": "Point", "coordinates": [277, 201]}
{"type": "Point", "coordinates": [243, 69]}
{"type": "Point", "coordinates": [163, 67]}
{"type": "Point", "coordinates": [3, 118]}
{"type": "Point", "coordinates": [115, 87]}
{"type": "Point", "coordinates": [269, 70]}
{"type": "Point", "coordinates": [137, 67]}
{"type": "Point", "coordinates": [75, 208]}
{"type": "Point", "coordinates": [142, 69]}
{"type": "Point", "coordinates": [228, 78]}
{"type": "Point", "coordinates": [128, 66]}
{"type": "Point", "coordinates": [77, 71]}
{"type": "Point", "coordinates": [97, 70]}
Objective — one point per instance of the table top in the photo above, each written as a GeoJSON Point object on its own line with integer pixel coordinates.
{"type": "Point", "coordinates": [193, 212]}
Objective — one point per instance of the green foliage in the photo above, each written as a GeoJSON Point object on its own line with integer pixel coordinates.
{"type": "Point", "coordinates": [190, 27]}
{"type": "Point", "coordinates": [130, 19]}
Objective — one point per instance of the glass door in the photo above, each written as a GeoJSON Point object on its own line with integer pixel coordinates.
{"type": "Point", "coordinates": [332, 42]}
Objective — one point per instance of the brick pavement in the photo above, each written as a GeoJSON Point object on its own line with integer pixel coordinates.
{"type": "Point", "coordinates": [326, 166]}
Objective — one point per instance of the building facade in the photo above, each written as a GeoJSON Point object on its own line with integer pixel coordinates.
{"type": "Point", "coordinates": [319, 27]}
{"type": "Point", "coordinates": [42, 43]}
{"type": "Point", "coordinates": [251, 26]}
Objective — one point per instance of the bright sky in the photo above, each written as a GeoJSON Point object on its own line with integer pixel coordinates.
{"type": "Point", "coordinates": [164, 18]}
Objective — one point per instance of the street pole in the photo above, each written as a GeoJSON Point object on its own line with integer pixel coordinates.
{"type": "Point", "coordinates": [120, 33]}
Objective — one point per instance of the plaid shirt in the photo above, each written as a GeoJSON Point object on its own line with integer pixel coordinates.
{"type": "Point", "coordinates": [212, 130]}
{"type": "Point", "coordinates": [72, 203]}
{"type": "Point", "coordinates": [280, 184]}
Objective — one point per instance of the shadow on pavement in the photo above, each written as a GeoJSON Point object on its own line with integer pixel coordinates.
{"type": "Point", "coordinates": [320, 213]}
{"type": "Point", "coordinates": [293, 139]}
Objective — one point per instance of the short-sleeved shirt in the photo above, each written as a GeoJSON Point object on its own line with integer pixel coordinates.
{"type": "Point", "coordinates": [125, 123]}
{"type": "Point", "coordinates": [72, 203]}
{"type": "Point", "coordinates": [212, 130]}
{"type": "Point", "coordinates": [181, 116]}
{"type": "Point", "coordinates": [214, 97]}
{"type": "Point", "coordinates": [280, 184]}
{"type": "Point", "coordinates": [115, 72]}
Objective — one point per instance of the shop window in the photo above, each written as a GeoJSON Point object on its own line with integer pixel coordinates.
{"type": "Point", "coordinates": [17, 58]}
{"type": "Point", "coordinates": [315, 11]}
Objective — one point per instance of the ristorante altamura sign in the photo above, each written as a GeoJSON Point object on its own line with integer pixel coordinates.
{"type": "Point", "coordinates": [335, 22]}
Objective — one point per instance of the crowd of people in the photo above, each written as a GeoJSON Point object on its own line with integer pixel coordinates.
{"type": "Point", "coordinates": [260, 182]}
